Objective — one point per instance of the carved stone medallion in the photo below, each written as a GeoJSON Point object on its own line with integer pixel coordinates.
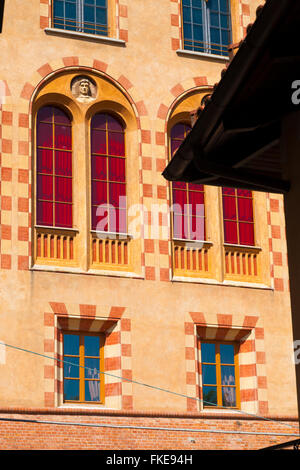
{"type": "Point", "coordinates": [84, 89]}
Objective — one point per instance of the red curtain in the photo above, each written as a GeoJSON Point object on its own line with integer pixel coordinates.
{"type": "Point", "coordinates": [188, 198]}
{"type": "Point", "coordinates": [54, 168]}
{"type": "Point", "coordinates": [238, 216]}
{"type": "Point", "coordinates": [108, 173]}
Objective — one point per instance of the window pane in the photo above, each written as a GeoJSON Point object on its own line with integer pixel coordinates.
{"type": "Point", "coordinates": [117, 193]}
{"type": "Point", "coordinates": [99, 192]}
{"type": "Point", "coordinates": [230, 232]}
{"type": "Point", "coordinates": [229, 208]}
{"type": "Point", "coordinates": [44, 135]}
{"type": "Point", "coordinates": [99, 121]}
{"type": "Point", "coordinates": [178, 226]}
{"type": "Point", "coordinates": [63, 163]}
{"type": "Point", "coordinates": [63, 137]}
{"type": "Point", "coordinates": [245, 209]}
{"type": "Point", "coordinates": [116, 143]}
{"type": "Point", "coordinates": [45, 187]}
{"type": "Point", "coordinates": [63, 189]}
{"type": "Point", "coordinates": [227, 375]}
{"type": "Point", "coordinates": [45, 114]}
{"type": "Point", "coordinates": [187, 14]}
{"type": "Point", "coordinates": [246, 232]}
{"type": "Point", "coordinates": [113, 124]}
{"type": "Point", "coordinates": [71, 367]}
{"type": "Point", "coordinates": [63, 215]}
{"type": "Point", "coordinates": [214, 19]}
{"type": "Point", "coordinates": [117, 169]}
{"type": "Point", "coordinates": [91, 345]}
{"type": "Point", "coordinates": [208, 352]}
{"type": "Point", "coordinates": [99, 167]}
{"type": "Point", "coordinates": [227, 353]}
{"type": "Point", "coordinates": [178, 131]}
{"type": "Point", "coordinates": [92, 390]}
{"type": "Point", "coordinates": [58, 8]}
{"type": "Point", "coordinates": [228, 396]}
{"type": "Point", "coordinates": [92, 367]}
{"type": "Point", "coordinates": [209, 374]}
{"type": "Point", "coordinates": [197, 16]}
{"type": "Point", "coordinates": [101, 16]}
{"type": "Point", "coordinates": [210, 396]}
{"type": "Point", "coordinates": [98, 141]}
{"type": "Point", "coordinates": [71, 344]}
{"type": "Point", "coordinates": [44, 213]}
{"type": "Point", "coordinates": [45, 161]}
{"type": "Point", "coordinates": [71, 389]}
{"type": "Point", "coordinates": [180, 198]}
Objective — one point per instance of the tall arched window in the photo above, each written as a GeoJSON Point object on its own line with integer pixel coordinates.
{"type": "Point", "coordinates": [187, 198]}
{"type": "Point", "coordinates": [206, 26]}
{"type": "Point", "coordinates": [108, 175]}
{"type": "Point", "coordinates": [238, 216]}
{"type": "Point", "coordinates": [54, 168]}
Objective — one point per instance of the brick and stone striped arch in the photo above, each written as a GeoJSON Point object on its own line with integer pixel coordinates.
{"type": "Point", "coordinates": [6, 176]}
{"type": "Point", "coordinates": [29, 91]}
{"type": "Point", "coordinates": [178, 92]}
{"type": "Point", "coordinates": [121, 17]}
{"type": "Point", "coordinates": [116, 327]}
{"type": "Point", "coordinates": [248, 331]}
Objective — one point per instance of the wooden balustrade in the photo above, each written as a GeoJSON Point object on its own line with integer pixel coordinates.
{"type": "Point", "coordinates": [191, 258]}
{"type": "Point", "coordinates": [110, 253]}
{"type": "Point", "coordinates": [55, 246]}
{"type": "Point", "coordinates": [242, 263]}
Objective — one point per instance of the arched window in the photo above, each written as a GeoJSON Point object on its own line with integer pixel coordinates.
{"type": "Point", "coordinates": [187, 198]}
{"type": "Point", "coordinates": [206, 26]}
{"type": "Point", "coordinates": [108, 175]}
{"type": "Point", "coordinates": [238, 216]}
{"type": "Point", "coordinates": [54, 168]}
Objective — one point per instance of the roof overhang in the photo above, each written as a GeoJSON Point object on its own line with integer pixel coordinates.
{"type": "Point", "coordinates": [236, 138]}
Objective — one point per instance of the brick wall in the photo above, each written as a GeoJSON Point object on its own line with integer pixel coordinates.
{"type": "Point", "coordinates": [41, 436]}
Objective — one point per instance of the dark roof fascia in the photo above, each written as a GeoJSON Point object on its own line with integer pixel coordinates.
{"type": "Point", "coordinates": [209, 123]}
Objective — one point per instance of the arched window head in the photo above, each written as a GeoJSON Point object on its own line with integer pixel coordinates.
{"type": "Point", "coordinates": [238, 216]}
{"type": "Point", "coordinates": [54, 168]}
{"type": "Point", "coordinates": [108, 175]}
{"type": "Point", "coordinates": [187, 198]}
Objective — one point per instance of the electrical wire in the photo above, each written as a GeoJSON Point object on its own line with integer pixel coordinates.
{"type": "Point", "coordinates": [152, 428]}
{"type": "Point", "coordinates": [148, 385]}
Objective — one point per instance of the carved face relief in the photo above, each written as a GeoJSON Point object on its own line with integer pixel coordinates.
{"type": "Point", "coordinates": [84, 89]}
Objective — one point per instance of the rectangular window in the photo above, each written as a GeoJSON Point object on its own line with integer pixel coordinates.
{"type": "Point", "coordinates": [87, 16]}
{"type": "Point", "coordinates": [206, 26]}
{"type": "Point", "coordinates": [238, 216]}
{"type": "Point", "coordinates": [83, 361]}
{"type": "Point", "coordinates": [220, 378]}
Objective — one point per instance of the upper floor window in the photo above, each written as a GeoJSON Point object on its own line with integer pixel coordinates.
{"type": "Point", "coordinates": [87, 16]}
{"type": "Point", "coordinates": [187, 198]}
{"type": "Point", "coordinates": [54, 168]}
{"type": "Point", "coordinates": [108, 174]}
{"type": "Point", "coordinates": [206, 26]}
{"type": "Point", "coordinates": [238, 216]}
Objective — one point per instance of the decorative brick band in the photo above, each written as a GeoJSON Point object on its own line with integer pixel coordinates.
{"type": "Point", "coordinates": [277, 243]}
{"type": "Point", "coordinates": [6, 180]}
{"type": "Point", "coordinates": [108, 320]}
{"type": "Point", "coordinates": [248, 332]}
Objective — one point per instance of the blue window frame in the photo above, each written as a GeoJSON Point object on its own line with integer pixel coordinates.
{"type": "Point", "coordinates": [206, 26]}
{"type": "Point", "coordinates": [87, 16]}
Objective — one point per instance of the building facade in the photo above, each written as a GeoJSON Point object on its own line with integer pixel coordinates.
{"type": "Point", "coordinates": [125, 300]}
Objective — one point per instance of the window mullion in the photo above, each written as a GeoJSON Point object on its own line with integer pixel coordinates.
{"type": "Point", "coordinates": [218, 373]}
{"type": "Point", "coordinates": [206, 23]}
{"type": "Point", "coordinates": [81, 369]}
